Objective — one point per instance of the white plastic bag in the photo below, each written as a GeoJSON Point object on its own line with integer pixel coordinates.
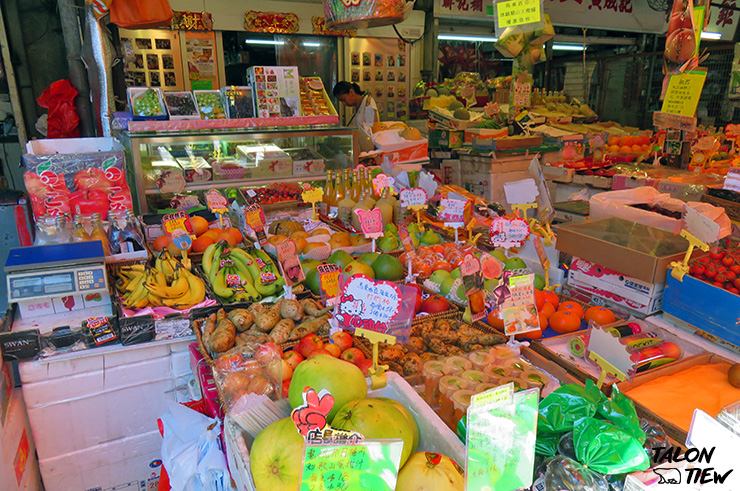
{"type": "Point", "coordinates": [618, 204]}
{"type": "Point", "coordinates": [191, 452]}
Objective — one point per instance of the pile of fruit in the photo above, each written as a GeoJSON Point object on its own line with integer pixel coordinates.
{"type": "Point", "coordinates": [166, 284]}
{"type": "Point", "coordinates": [247, 329]}
{"type": "Point", "coordinates": [560, 317]}
{"type": "Point", "coordinates": [204, 237]}
{"type": "Point", "coordinates": [721, 268]}
{"type": "Point", "coordinates": [628, 144]}
{"type": "Point", "coordinates": [277, 193]}
{"type": "Point", "coordinates": [237, 275]}
{"type": "Point", "coordinates": [375, 265]}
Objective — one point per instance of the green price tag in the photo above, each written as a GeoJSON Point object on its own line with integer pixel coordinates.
{"type": "Point", "coordinates": [500, 443]}
{"type": "Point", "coordinates": [372, 464]}
{"type": "Point", "coordinates": [518, 12]}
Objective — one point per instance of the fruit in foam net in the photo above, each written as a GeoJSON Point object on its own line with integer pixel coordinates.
{"type": "Point", "coordinates": [411, 134]}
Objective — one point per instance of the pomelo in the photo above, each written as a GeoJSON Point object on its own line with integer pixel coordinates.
{"type": "Point", "coordinates": [407, 414]}
{"type": "Point", "coordinates": [342, 379]}
{"type": "Point", "coordinates": [275, 458]}
{"type": "Point", "coordinates": [429, 470]}
{"type": "Point", "coordinates": [369, 258]}
{"type": "Point", "coordinates": [376, 419]}
{"type": "Point", "coordinates": [514, 263]}
{"type": "Point", "coordinates": [340, 258]}
{"type": "Point", "coordinates": [387, 267]}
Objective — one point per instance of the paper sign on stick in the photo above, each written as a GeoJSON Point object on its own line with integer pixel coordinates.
{"type": "Point", "coordinates": [290, 265]}
{"type": "Point", "coordinates": [610, 354]}
{"type": "Point", "coordinates": [521, 192]}
{"type": "Point", "coordinates": [216, 202]}
{"type": "Point", "coordinates": [178, 220]}
{"type": "Point", "coordinates": [683, 93]}
{"type": "Point", "coordinates": [508, 232]}
{"type": "Point", "coordinates": [329, 279]}
{"type": "Point", "coordinates": [701, 227]}
{"type": "Point", "coordinates": [473, 281]}
{"type": "Point", "coordinates": [413, 197]}
{"type": "Point", "coordinates": [519, 309]}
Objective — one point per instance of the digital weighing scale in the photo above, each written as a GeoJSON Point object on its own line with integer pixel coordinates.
{"type": "Point", "coordinates": [57, 285]}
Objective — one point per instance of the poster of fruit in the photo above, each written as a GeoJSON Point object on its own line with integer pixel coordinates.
{"type": "Point", "coordinates": [201, 57]}
{"type": "Point", "coordinates": [680, 52]}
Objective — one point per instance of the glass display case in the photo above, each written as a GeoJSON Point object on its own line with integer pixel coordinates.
{"type": "Point", "coordinates": [175, 166]}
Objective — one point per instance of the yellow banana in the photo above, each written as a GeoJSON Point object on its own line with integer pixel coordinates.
{"type": "Point", "coordinates": [197, 289]}
{"type": "Point", "coordinates": [154, 300]}
{"type": "Point", "coordinates": [180, 285]}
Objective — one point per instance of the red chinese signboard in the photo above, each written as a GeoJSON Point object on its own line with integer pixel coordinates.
{"type": "Point", "coordinates": [191, 21]}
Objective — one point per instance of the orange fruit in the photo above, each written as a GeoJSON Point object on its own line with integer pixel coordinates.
{"type": "Point", "coordinates": [201, 243]}
{"type": "Point", "coordinates": [552, 298]}
{"type": "Point", "coordinates": [670, 350]}
{"type": "Point", "coordinates": [212, 234]}
{"type": "Point", "coordinates": [613, 141]}
{"type": "Point", "coordinates": [161, 242]}
{"type": "Point", "coordinates": [300, 244]}
{"type": "Point", "coordinates": [613, 149]}
{"type": "Point", "coordinates": [228, 238]}
{"type": "Point", "coordinates": [442, 264]}
{"type": "Point", "coordinates": [494, 321]}
{"type": "Point", "coordinates": [199, 224]}
{"type": "Point", "coordinates": [548, 309]}
{"type": "Point", "coordinates": [564, 321]}
{"type": "Point", "coordinates": [539, 299]}
{"type": "Point", "coordinates": [423, 269]}
{"type": "Point", "coordinates": [600, 315]}
{"type": "Point", "coordinates": [625, 149]}
{"type": "Point", "coordinates": [530, 335]}
{"type": "Point", "coordinates": [626, 140]}
{"type": "Point", "coordinates": [573, 307]}
{"type": "Point", "coordinates": [645, 147]}
{"type": "Point", "coordinates": [543, 322]}
{"type": "Point", "coordinates": [636, 148]}
{"type": "Point", "coordinates": [234, 232]}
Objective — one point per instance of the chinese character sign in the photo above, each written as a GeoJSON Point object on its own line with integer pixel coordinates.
{"type": "Point", "coordinates": [452, 210]}
{"type": "Point", "coordinates": [683, 93]}
{"type": "Point", "coordinates": [508, 232]}
{"type": "Point", "coordinates": [413, 197]}
{"type": "Point", "coordinates": [174, 221]}
{"type": "Point", "coordinates": [518, 12]}
{"type": "Point", "coordinates": [368, 304]}
{"type": "Point", "coordinates": [519, 309]}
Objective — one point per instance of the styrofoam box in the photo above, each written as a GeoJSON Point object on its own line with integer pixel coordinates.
{"type": "Point", "coordinates": [125, 464]}
{"type": "Point", "coordinates": [79, 402]}
{"type": "Point", "coordinates": [434, 435]}
{"type": "Point", "coordinates": [14, 425]}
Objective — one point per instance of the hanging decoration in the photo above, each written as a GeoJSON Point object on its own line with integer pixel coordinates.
{"type": "Point", "coordinates": [361, 14]}
{"type": "Point", "coordinates": [319, 27]}
{"type": "Point", "coordinates": [191, 21]}
{"type": "Point", "coordinates": [271, 22]}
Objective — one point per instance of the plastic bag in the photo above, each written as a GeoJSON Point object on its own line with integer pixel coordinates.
{"type": "Point", "coordinates": [59, 99]}
{"type": "Point", "coordinates": [191, 452]}
{"type": "Point", "coordinates": [565, 473]}
{"type": "Point", "coordinates": [655, 437]}
{"type": "Point", "coordinates": [141, 14]}
{"type": "Point", "coordinates": [565, 405]}
{"type": "Point", "coordinates": [619, 204]}
{"type": "Point", "coordinates": [361, 15]}
{"type": "Point", "coordinates": [621, 411]}
{"type": "Point", "coordinates": [603, 447]}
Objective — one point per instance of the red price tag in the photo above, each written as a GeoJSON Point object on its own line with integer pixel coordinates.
{"type": "Point", "coordinates": [452, 211]}
{"type": "Point", "coordinates": [174, 221]}
{"type": "Point", "coordinates": [329, 279]}
{"type": "Point", "coordinates": [255, 217]}
{"type": "Point", "coordinates": [508, 232]}
{"type": "Point", "coordinates": [216, 202]}
{"type": "Point", "coordinates": [371, 222]}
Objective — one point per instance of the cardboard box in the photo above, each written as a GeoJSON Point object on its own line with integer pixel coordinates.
{"type": "Point", "coordinates": [672, 430]}
{"type": "Point", "coordinates": [681, 190]}
{"type": "Point", "coordinates": [600, 241]}
{"type": "Point", "coordinates": [446, 138]}
{"type": "Point", "coordinates": [626, 182]}
{"type": "Point", "coordinates": [558, 174]}
{"type": "Point", "coordinates": [302, 167]}
{"type": "Point", "coordinates": [451, 174]}
{"type": "Point", "coordinates": [409, 151]}
{"type": "Point", "coordinates": [588, 273]}
{"type": "Point", "coordinates": [484, 134]}
{"type": "Point", "coordinates": [592, 294]}
{"type": "Point", "coordinates": [599, 182]}
{"type": "Point", "coordinates": [704, 306]}
{"type": "Point", "coordinates": [19, 468]}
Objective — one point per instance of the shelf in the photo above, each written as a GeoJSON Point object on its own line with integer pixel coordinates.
{"type": "Point", "coordinates": [244, 182]}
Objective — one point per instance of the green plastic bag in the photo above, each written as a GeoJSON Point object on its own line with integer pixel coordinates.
{"type": "Point", "coordinates": [621, 411]}
{"type": "Point", "coordinates": [603, 447]}
{"type": "Point", "coordinates": [565, 405]}
{"type": "Point", "coordinates": [546, 444]}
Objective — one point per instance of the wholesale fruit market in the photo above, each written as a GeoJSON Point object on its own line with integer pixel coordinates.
{"type": "Point", "coordinates": [377, 245]}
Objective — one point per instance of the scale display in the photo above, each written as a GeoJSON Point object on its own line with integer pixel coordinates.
{"type": "Point", "coordinates": [55, 283]}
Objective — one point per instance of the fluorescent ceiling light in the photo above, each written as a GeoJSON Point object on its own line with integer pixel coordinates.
{"type": "Point", "coordinates": [311, 45]}
{"type": "Point", "coordinates": [711, 35]}
{"type": "Point", "coordinates": [475, 39]}
{"type": "Point", "coordinates": [567, 47]}
{"type": "Point", "coordinates": [264, 41]}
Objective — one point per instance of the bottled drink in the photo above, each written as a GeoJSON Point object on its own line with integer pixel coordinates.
{"type": "Point", "coordinates": [80, 234]}
{"type": "Point", "coordinates": [46, 231]}
{"type": "Point", "coordinates": [328, 189]}
{"type": "Point", "coordinates": [98, 233]}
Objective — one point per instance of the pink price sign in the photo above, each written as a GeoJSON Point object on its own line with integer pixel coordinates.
{"type": "Point", "coordinates": [289, 263]}
{"type": "Point", "coordinates": [509, 232]}
{"type": "Point", "coordinates": [413, 197]}
{"type": "Point", "coordinates": [381, 181]}
{"type": "Point", "coordinates": [452, 210]}
{"type": "Point", "coordinates": [371, 222]}
{"type": "Point", "coordinates": [368, 304]}
{"type": "Point", "coordinates": [216, 202]}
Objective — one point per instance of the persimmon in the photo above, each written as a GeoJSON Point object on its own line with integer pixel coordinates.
{"type": "Point", "coordinates": [564, 321]}
{"type": "Point", "coordinates": [600, 315]}
{"type": "Point", "coordinates": [573, 307]}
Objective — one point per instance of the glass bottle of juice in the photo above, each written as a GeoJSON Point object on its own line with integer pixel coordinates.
{"type": "Point", "coordinates": [80, 234]}
{"type": "Point", "coordinates": [345, 207]}
{"type": "Point", "coordinates": [356, 186]}
{"type": "Point", "coordinates": [386, 207]}
{"type": "Point", "coordinates": [98, 233]}
{"type": "Point", "coordinates": [328, 188]}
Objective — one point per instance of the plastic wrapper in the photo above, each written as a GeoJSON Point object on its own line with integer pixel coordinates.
{"type": "Point", "coordinates": [249, 369]}
{"type": "Point", "coordinates": [566, 446]}
{"type": "Point", "coordinates": [621, 204]}
{"type": "Point", "coordinates": [565, 405]}
{"type": "Point", "coordinates": [563, 473]}
{"type": "Point", "coordinates": [547, 444]}
{"type": "Point", "coordinates": [654, 437]}
{"type": "Point", "coordinates": [621, 411]}
{"type": "Point", "coordinates": [59, 99]}
{"type": "Point", "coordinates": [603, 447]}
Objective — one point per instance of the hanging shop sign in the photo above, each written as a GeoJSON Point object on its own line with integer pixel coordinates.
{"type": "Point", "coordinates": [271, 22]}
{"type": "Point", "coordinates": [191, 21]}
{"type": "Point", "coordinates": [319, 27]}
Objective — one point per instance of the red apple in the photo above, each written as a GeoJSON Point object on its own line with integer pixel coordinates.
{"type": "Point", "coordinates": [333, 349]}
{"type": "Point", "coordinates": [293, 358]}
{"type": "Point", "coordinates": [317, 352]}
{"type": "Point", "coordinates": [287, 370]}
{"type": "Point", "coordinates": [417, 304]}
{"type": "Point", "coordinates": [415, 287]}
{"type": "Point", "coordinates": [342, 339]}
{"type": "Point", "coordinates": [365, 366]}
{"type": "Point", "coordinates": [353, 355]}
{"type": "Point", "coordinates": [435, 304]}
{"type": "Point", "coordinates": [267, 352]}
{"type": "Point", "coordinates": [286, 387]}
{"type": "Point", "coordinates": [91, 178]}
{"type": "Point", "coordinates": [308, 343]}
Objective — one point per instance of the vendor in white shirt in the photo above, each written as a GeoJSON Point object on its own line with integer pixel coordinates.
{"type": "Point", "coordinates": [366, 111]}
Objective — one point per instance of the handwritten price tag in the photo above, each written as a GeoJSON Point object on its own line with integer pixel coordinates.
{"type": "Point", "coordinates": [216, 202]}
{"type": "Point", "coordinates": [473, 282]}
{"type": "Point", "coordinates": [368, 304]}
{"type": "Point", "coordinates": [732, 131]}
{"type": "Point", "coordinates": [519, 309]}
{"type": "Point", "coordinates": [290, 265]}
{"type": "Point", "coordinates": [312, 195]}
{"type": "Point", "coordinates": [174, 221]}
{"type": "Point", "coordinates": [171, 182]}
{"type": "Point", "coordinates": [255, 217]}
{"type": "Point", "coordinates": [413, 197]}
{"type": "Point", "coordinates": [683, 93]}
{"type": "Point", "coordinates": [329, 279]}
{"type": "Point", "coordinates": [518, 12]}
{"type": "Point", "coordinates": [381, 181]}
{"type": "Point", "coordinates": [452, 211]}
{"type": "Point", "coordinates": [508, 232]}
{"type": "Point", "coordinates": [371, 222]}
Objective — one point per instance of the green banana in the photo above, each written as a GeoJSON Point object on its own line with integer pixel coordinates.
{"type": "Point", "coordinates": [264, 290]}
{"type": "Point", "coordinates": [208, 258]}
{"type": "Point", "coordinates": [219, 284]}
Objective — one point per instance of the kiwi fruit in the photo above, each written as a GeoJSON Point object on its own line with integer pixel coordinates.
{"type": "Point", "coordinates": [432, 93]}
{"type": "Point", "coordinates": [461, 114]}
{"type": "Point", "coordinates": [455, 105]}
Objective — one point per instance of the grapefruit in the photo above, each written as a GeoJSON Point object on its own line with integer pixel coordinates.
{"type": "Point", "coordinates": [377, 419]}
{"type": "Point", "coordinates": [430, 470]}
{"type": "Point", "coordinates": [275, 458]}
{"type": "Point", "coordinates": [407, 414]}
{"type": "Point", "coordinates": [342, 379]}
{"type": "Point", "coordinates": [199, 224]}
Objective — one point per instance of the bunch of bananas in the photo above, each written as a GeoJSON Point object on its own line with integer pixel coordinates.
{"type": "Point", "coordinates": [240, 276]}
{"type": "Point", "coordinates": [166, 284]}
